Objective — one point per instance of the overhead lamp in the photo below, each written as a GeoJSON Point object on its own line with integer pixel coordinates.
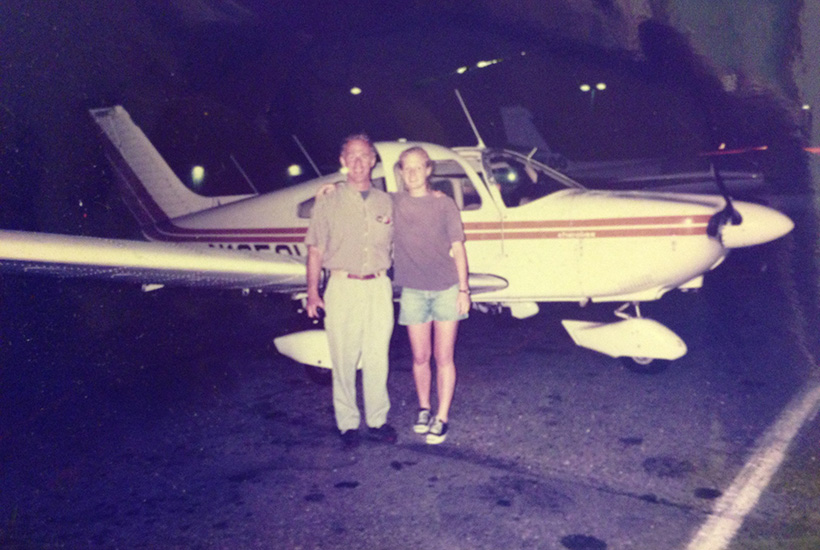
{"type": "Point", "coordinates": [197, 175]}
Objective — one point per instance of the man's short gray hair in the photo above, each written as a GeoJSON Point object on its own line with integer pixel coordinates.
{"type": "Point", "coordinates": [357, 137]}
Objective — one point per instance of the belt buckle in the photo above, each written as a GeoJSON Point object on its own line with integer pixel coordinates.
{"type": "Point", "coordinates": [367, 277]}
{"type": "Point", "coordinates": [362, 277]}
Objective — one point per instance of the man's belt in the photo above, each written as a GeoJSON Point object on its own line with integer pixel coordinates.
{"type": "Point", "coordinates": [349, 275]}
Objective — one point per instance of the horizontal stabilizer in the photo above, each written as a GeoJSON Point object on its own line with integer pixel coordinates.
{"type": "Point", "coordinates": [633, 337]}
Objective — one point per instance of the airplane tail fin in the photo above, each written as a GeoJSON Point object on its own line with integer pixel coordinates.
{"type": "Point", "coordinates": [149, 187]}
{"type": "Point", "coordinates": [520, 129]}
{"type": "Point", "coordinates": [521, 132]}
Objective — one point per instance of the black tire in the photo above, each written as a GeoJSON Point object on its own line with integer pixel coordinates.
{"type": "Point", "coordinates": [643, 365]}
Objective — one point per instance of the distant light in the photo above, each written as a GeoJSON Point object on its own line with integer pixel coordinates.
{"type": "Point", "coordinates": [294, 170]}
{"type": "Point", "coordinates": [729, 82]}
{"type": "Point", "coordinates": [461, 70]}
{"type": "Point", "coordinates": [523, 53]}
{"type": "Point", "coordinates": [402, 140]}
{"type": "Point", "coordinates": [512, 176]}
{"type": "Point", "coordinates": [806, 107]}
{"type": "Point", "coordinates": [722, 150]}
{"type": "Point", "coordinates": [600, 86]}
{"type": "Point", "coordinates": [197, 175]}
{"type": "Point", "coordinates": [355, 90]}
{"type": "Point", "coordinates": [585, 87]}
{"type": "Point", "coordinates": [482, 64]}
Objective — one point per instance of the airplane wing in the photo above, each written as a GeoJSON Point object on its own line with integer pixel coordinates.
{"type": "Point", "coordinates": [148, 263]}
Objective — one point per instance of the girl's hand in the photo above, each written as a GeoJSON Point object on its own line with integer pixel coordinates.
{"type": "Point", "coordinates": [326, 189]}
{"type": "Point", "coordinates": [463, 303]}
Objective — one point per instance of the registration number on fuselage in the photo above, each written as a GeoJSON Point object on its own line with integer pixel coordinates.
{"type": "Point", "coordinates": [289, 249]}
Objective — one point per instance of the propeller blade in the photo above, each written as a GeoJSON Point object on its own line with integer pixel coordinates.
{"type": "Point", "coordinates": [729, 215]}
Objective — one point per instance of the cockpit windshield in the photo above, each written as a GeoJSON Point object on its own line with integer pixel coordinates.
{"type": "Point", "coordinates": [520, 179]}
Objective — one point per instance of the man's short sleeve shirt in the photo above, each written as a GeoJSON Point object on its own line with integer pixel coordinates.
{"type": "Point", "coordinates": [354, 233]}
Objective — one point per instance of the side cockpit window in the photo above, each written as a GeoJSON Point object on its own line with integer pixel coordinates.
{"type": "Point", "coordinates": [305, 208]}
{"type": "Point", "coordinates": [519, 180]}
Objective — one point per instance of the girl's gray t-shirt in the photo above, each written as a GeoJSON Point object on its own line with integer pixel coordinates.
{"type": "Point", "coordinates": [424, 231]}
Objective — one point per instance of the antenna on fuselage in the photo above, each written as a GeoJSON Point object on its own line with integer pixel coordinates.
{"type": "Point", "coordinates": [307, 156]}
{"type": "Point", "coordinates": [470, 119]}
{"type": "Point", "coordinates": [244, 175]}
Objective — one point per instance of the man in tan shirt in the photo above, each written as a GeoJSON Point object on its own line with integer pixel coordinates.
{"type": "Point", "coordinates": [351, 234]}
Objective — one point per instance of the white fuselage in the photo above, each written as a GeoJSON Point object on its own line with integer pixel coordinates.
{"type": "Point", "coordinates": [549, 238]}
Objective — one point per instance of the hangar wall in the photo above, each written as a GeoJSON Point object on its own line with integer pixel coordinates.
{"type": "Point", "coordinates": [762, 44]}
{"type": "Point", "coordinates": [768, 44]}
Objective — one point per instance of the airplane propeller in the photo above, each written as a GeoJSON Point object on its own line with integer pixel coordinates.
{"type": "Point", "coordinates": [729, 215]}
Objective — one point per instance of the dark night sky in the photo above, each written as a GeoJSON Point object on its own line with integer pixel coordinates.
{"type": "Point", "coordinates": [207, 83]}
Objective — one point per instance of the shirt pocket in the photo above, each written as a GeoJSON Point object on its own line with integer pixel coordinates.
{"type": "Point", "coordinates": [382, 227]}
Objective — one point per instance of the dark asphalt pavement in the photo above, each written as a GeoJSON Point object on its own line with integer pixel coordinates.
{"type": "Point", "coordinates": [177, 426]}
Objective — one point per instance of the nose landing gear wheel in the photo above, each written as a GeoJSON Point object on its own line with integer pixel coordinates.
{"type": "Point", "coordinates": [645, 365]}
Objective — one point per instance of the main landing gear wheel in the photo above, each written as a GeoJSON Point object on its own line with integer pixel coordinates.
{"type": "Point", "coordinates": [640, 365]}
{"type": "Point", "coordinates": [645, 365]}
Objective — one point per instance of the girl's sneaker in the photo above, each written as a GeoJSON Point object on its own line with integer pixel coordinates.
{"type": "Point", "coordinates": [422, 425]}
{"type": "Point", "coordinates": [437, 433]}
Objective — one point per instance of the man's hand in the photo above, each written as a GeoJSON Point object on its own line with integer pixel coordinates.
{"type": "Point", "coordinates": [313, 304]}
{"type": "Point", "coordinates": [314, 269]}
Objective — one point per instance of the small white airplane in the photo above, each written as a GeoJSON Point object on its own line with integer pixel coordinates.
{"type": "Point", "coordinates": [533, 235]}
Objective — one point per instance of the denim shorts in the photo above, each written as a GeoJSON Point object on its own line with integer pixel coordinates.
{"type": "Point", "coordinates": [421, 306]}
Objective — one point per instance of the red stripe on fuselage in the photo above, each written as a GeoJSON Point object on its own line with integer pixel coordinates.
{"type": "Point", "coordinates": [172, 229]}
{"type": "Point", "coordinates": [647, 226]}
{"type": "Point", "coordinates": [169, 232]}
{"type": "Point", "coordinates": [594, 222]}
{"type": "Point", "coordinates": [652, 226]}
{"type": "Point", "coordinates": [576, 233]}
